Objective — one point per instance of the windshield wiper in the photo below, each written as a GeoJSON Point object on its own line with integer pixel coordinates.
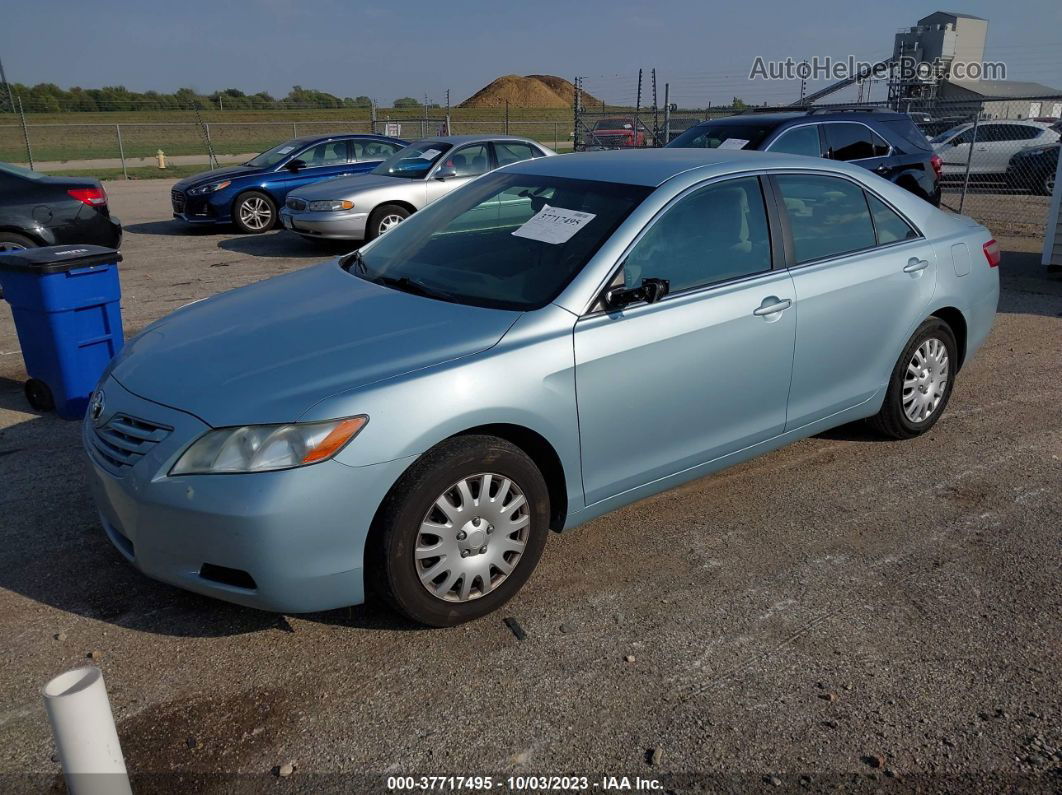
{"type": "Point", "coordinates": [354, 258]}
{"type": "Point", "coordinates": [407, 285]}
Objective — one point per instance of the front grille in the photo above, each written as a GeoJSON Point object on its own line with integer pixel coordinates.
{"type": "Point", "coordinates": [124, 440]}
{"type": "Point", "coordinates": [297, 204]}
{"type": "Point", "coordinates": [177, 199]}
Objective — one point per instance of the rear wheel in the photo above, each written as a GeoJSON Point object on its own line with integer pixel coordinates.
{"type": "Point", "coordinates": [254, 212]}
{"type": "Point", "coordinates": [385, 218]}
{"type": "Point", "coordinates": [921, 382]}
{"type": "Point", "coordinates": [1047, 184]}
{"type": "Point", "coordinates": [11, 241]}
{"type": "Point", "coordinates": [461, 532]}
{"type": "Point", "coordinates": [39, 395]}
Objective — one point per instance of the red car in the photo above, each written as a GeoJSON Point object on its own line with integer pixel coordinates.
{"type": "Point", "coordinates": [617, 133]}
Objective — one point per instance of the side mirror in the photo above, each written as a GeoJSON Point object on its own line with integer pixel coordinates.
{"type": "Point", "coordinates": [296, 164]}
{"type": "Point", "coordinates": [445, 172]}
{"type": "Point", "coordinates": [650, 291]}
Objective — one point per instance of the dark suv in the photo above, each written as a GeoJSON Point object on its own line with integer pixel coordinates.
{"type": "Point", "coordinates": [889, 144]}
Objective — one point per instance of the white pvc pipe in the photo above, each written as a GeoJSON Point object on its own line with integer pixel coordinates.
{"type": "Point", "coordinates": [84, 732]}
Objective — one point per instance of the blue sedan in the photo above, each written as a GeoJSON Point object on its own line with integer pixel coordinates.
{"type": "Point", "coordinates": [249, 195]}
{"type": "Point", "coordinates": [550, 342]}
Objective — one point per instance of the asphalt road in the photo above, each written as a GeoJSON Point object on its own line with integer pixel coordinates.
{"type": "Point", "coordinates": [844, 611]}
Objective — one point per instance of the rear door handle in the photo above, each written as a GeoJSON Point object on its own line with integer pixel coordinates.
{"type": "Point", "coordinates": [770, 309]}
{"type": "Point", "coordinates": [914, 264]}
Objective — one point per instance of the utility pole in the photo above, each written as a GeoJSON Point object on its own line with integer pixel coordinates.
{"type": "Point", "coordinates": [656, 113]}
{"type": "Point", "coordinates": [803, 82]}
{"type": "Point", "coordinates": [7, 85]}
{"type": "Point", "coordinates": [637, 109]}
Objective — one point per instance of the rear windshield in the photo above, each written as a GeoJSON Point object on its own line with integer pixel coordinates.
{"type": "Point", "coordinates": [734, 135]}
{"type": "Point", "coordinates": [910, 137]}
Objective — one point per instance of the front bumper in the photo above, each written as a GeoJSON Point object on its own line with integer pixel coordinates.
{"type": "Point", "coordinates": [212, 208]}
{"type": "Point", "coordinates": [298, 535]}
{"type": "Point", "coordinates": [330, 226]}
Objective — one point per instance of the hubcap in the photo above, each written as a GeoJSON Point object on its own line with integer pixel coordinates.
{"type": "Point", "coordinates": [389, 222]}
{"type": "Point", "coordinates": [926, 380]}
{"type": "Point", "coordinates": [1049, 183]}
{"type": "Point", "coordinates": [472, 538]}
{"type": "Point", "coordinates": [255, 213]}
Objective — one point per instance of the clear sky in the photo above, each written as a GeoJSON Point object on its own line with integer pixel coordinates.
{"type": "Point", "coordinates": [389, 50]}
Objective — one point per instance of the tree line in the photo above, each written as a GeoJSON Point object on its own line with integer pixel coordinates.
{"type": "Point", "coordinates": [50, 98]}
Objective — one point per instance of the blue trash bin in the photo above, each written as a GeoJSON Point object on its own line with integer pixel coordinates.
{"type": "Point", "coordinates": [65, 303]}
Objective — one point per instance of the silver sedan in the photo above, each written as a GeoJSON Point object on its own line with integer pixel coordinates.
{"type": "Point", "coordinates": [365, 206]}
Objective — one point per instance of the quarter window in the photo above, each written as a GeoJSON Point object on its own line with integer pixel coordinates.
{"type": "Point", "coordinates": [851, 141]}
{"type": "Point", "coordinates": [889, 226]}
{"type": "Point", "coordinates": [713, 235]}
{"type": "Point", "coordinates": [828, 217]}
{"type": "Point", "coordinates": [803, 140]}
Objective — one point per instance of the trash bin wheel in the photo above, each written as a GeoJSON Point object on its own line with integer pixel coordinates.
{"type": "Point", "coordinates": [39, 395]}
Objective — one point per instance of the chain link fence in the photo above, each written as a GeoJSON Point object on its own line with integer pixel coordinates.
{"type": "Point", "coordinates": [130, 148]}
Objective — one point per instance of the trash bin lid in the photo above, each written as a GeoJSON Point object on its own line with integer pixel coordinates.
{"type": "Point", "coordinates": [56, 259]}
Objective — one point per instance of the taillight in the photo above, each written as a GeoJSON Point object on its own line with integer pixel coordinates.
{"type": "Point", "coordinates": [992, 253]}
{"type": "Point", "coordinates": [93, 197]}
{"type": "Point", "coordinates": [937, 164]}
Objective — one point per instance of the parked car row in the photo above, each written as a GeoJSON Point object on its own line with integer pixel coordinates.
{"type": "Point", "coordinates": [988, 150]}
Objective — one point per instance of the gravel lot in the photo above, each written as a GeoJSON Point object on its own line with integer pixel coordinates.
{"type": "Point", "coordinates": [844, 611]}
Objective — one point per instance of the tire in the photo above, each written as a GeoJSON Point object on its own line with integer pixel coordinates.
{"type": "Point", "coordinates": [383, 218]}
{"type": "Point", "coordinates": [1047, 184]}
{"type": "Point", "coordinates": [39, 395]}
{"type": "Point", "coordinates": [254, 212]}
{"type": "Point", "coordinates": [410, 513]}
{"type": "Point", "coordinates": [11, 241]}
{"type": "Point", "coordinates": [894, 419]}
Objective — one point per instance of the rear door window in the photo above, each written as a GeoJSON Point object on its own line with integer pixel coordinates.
{"type": "Point", "coordinates": [828, 216]}
{"type": "Point", "coordinates": [512, 152]}
{"type": "Point", "coordinates": [851, 141]}
{"type": "Point", "coordinates": [330, 153]}
{"type": "Point", "coordinates": [374, 150]}
{"type": "Point", "coordinates": [803, 140]}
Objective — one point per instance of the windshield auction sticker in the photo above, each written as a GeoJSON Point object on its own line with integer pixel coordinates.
{"type": "Point", "coordinates": [428, 154]}
{"type": "Point", "coordinates": [554, 225]}
{"type": "Point", "coordinates": [733, 143]}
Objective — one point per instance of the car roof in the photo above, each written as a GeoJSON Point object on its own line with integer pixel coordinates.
{"type": "Point", "coordinates": [464, 139]}
{"type": "Point", "coordinates": [302, 140]}
{"type": "Point", "coordinates": [780, 117]}
{"type": "Point", "coordinates": [653, 167]}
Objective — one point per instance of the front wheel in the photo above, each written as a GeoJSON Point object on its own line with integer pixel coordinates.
{"type": "Point", "coordinates": [921, 382]}
{"type": "Point", "coordinates": [384, 219]}
{"type": "Point", "coordinates": [254, 212]}
{"type": "Point", "coordinates": [461, 532]}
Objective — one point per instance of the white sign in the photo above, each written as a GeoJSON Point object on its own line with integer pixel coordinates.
{"type": "Point", "coordinates": [429, 154]}
{"type": "Point", "coordinates": [393, 129]}
{"type": "Point", "coordinates": [554, 225]}
{"type": "Point", "coordinates": [733, 143]}
{"type": "Point", "coordinates": [284, 150]}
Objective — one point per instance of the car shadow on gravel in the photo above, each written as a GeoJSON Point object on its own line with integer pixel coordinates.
{"type": "Point", "coordinates": [282, 243]}
{"type": "Point", "coordinates": [54, 551]}
{"type": "Point", "coordinates": [174, 228]}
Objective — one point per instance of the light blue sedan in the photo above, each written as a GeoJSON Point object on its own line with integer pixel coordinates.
{"type": "Point", "coordinates": [552, 341]}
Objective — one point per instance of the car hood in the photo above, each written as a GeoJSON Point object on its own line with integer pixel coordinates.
{"type": "Point", "coordinates": [268, 352]}
{"type": "Point", "coordinates": [215, 174]}
{"type": "Point", "coordinates": [345, 187]}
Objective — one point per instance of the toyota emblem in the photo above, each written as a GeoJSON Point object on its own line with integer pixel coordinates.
{"type": "Point", "coordinates": [98, 402]}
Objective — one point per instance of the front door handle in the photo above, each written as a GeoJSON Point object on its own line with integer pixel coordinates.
{"type": "Point", "coordinates": [772, 308]}
{"type": "Point", "coordinates": [914, 264]}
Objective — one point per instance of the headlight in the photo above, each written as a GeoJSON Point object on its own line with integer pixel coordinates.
{"type": "Point", "coordinates": [261, 448]}
{"type": "Point", "coordinates": [331, 205]}
{"type": "Point", "coordinates": [213, 187]}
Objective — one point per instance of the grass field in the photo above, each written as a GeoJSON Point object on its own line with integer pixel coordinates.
{"type": "Point", "coordinates": [89, 136]}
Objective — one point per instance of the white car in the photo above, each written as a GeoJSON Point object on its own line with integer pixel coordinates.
{"type": "Point", "coordinates": [995, 144]}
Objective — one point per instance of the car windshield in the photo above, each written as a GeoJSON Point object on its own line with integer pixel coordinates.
{"type": "Point", "coordinates": [711, 136]}
{"type": "Point", "coordinates": [272, 157]}
{"type": "Point", "coordinates": [17, 171]}
{"type": "Point", "coordinates": [506, 240]}
{"type": "Point", "coordinates": [613, 124]}
{"type": "Point", "coordinates": [944, 136]}
{"type": "Point", "coordinates": [413, 162]}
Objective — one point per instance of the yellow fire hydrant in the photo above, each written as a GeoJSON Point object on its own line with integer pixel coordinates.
{"type": "Point", "coordinates": [160, 158]}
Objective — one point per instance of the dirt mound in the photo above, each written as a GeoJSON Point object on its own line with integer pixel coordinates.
{"type": "Point", "coordinates": [533, 91]}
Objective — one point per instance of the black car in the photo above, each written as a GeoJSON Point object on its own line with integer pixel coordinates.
{"type": "Point", "coordinates": [889, 144]}
{"type": "Point", "coordinates": [1034, 169]}
{"type": "Point", "coordinates": [41, 210]}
